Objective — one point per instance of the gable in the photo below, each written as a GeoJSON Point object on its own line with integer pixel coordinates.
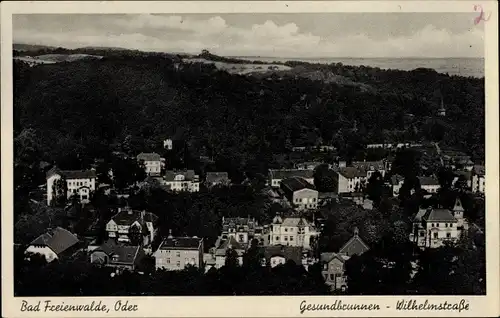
{"type": "Point", "coordinates": [354, 247]}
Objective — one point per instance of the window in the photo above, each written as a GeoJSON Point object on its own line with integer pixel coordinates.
{"type": "Point", "coordinates": [291, 238]}
{"type": "Point", "coordinates": [168, 260]}
{"type": "Point", "coordinates": [178, 263]}
{"type": "Point", "coordinates": [432, 224]}
{"type": "Point", "coordinates": [241, 237]}
{"type": "Point", "coordinates": [286, 238]}
{"type": "Point", "coordinates": [332, 277]}
{"type": "Point", "coordinates": [446, 225]}
{"type": "Point", "coordinates": [178, 254]}
{"type": "Point", "coordinates": [192, 261]}
{"type": "Point", "coordinates": [314, 199]}
{"type": "Point", "coordinates": [437, 224]}
{"type": "Point", "coordinates": [435, 235]}
{"type": "Point", "coordinates": [448, 235]}
{"type": "Point", "coordinates": [274, 261]}
{"type": "Point", "coordinates": [277, 238]}
{"type": "Point", "coordinates": [286, 229]}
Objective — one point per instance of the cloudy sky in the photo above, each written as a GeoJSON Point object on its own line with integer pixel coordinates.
{"type": "Point", "coordinates": [267, 35]}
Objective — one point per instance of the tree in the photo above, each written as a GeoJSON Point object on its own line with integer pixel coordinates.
{"type": "Point", "coordinates": [59, 192]}
{"type": "Point", "coordinates": [375, 187]}
{"type": "Point", "coordinates": [325, 179]}
{"type": "Point", "coordinates": [126, 172]}
{"type": "Point", "coordinates": [135, 235]}
{"type": "Point", "coordinates": [231, 259]}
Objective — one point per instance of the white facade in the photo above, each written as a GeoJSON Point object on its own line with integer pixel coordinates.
{"type": "Point", "coordinates": [290, 233]}
{"type": "Point", "coordinates": [439, 232]}
{"type": "Point", "coordinates": [167, 144]}
{"type": "Point", "coordinates": [220, 260]}
{"type": "Point", "coordinates": [81, 187]}
{"type": "Point", "coordinates": [431, 188]}
{"type": "Point", "coordinates": [346, 185]}
{"type": "Point", "coordinates": [277, 260]}
{"type": "Point", "coordinates": [43, 250]}
{"type": "Point", "coordinates": [478, 183]}
{"type": "Point", "coordinates": [181, 184]}
{"type": "Point", "coordinates": [152, 167]}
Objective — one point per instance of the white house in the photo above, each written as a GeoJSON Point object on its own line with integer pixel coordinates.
{"type": "Point", "coordinates": [53, 244]}
{"type": "Point", "coordinates": [429, 184]}
{"type": "Point", "coordinates": [300, 193]}
{"type": "Point", "coordinates": [120, 225]}
{"type": "Point", "coordinates": [291, 231]}
{"type": "Point", "coordinates": [168, 144]}
{"type": "Point", "coordinates": [243, 230]}
{"type": "Point", "coordinates": [370, 167]}
{"type": "Point", "coordinates": [478, 179]}
{"type": "Point", "coordinates": [351, 179]}
{"type": "Point", "coordinates": [77, 182]}
{"type": "Point", "coordinates": [152, 163]}
{"type": "Point", "coordinates": [185, 180]}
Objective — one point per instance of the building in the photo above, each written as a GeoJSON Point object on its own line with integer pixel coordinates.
{"type": "Point", "coordinates": [465, 175]}
{"type": "Point", "coordinates": [151, 162]}
{"type": "Point", "coordinates": [279, 255]}
{"type": "Point", "coordinates": [54, 244]}
{"type": "Point", "coordinates": [478, 179]}
{"type": "Point", "coordinates": [228, 244]}
{"type": "Point", "coordinates": [127, 223]}
{"type": "Point", "coordinates": [291, 231]}
{"type": "Point", "coordinates": [217, 178]}
{"type": "Point", "coordinates": [243, 230]}
{"type": "Point", "coordinates": [351, 179]}
{"type": "Point", "coordinates": [76, 182]}
{"type": "Point", "coordinates": [300, 193]}
{"type": "Point", "coordinates": [310, 165]}
{"type": "Point", "coordinates": [396, 184]}
{"type": "Point", "coordinates": [429, 184]}
{"type": "Point", "coordinates": [334, 263]}
{"type": "Point", "coordinates": [182, 180]}
{"type": "Point", "coordinates": [432, 227]}
{"type": "Point", "coordinates": [116, 255]}
{"type": "Point", "coordinates": [370, 167]}
{"type": "Point", "coordinates": [168, 144]}
{"type": "Point", "coordinates": [276, 176]}
{"type": "Point", "coordinates": [175, 253]}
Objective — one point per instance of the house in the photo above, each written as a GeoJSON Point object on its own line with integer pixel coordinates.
{"type": "Point", "coordinates": [432, 227]}
{"type": "Point", "coordinates": [168, 144]}
{"type": "Point", "coordinates": [334, 263]}
{"type": "Point", "coordinates": [478, 179]}
{"type": "Point", "coordinates": [291, 231]}
{"type": "Point", "coordinates": [309, 165]}
{"type": "Point", "coordinates": [127, 222]}
{"type": "Point", "coordinates": [300, 193]}
{"type": "Point", "coordinates": [217, 178]}
{"type": "Point", "coordinates": [175, 253]}
{"type": "Point", "coordinates": [76, 182]}
{"type": "Point", "coordinates": [358, 198]}
{"type": "Point", "coordinates": [396, 184]}
{"type": "Point", "coordinates": [370, 167]}
{"type": "Point", "coordinates": [325, 197]}
{"type": "Point", "coordinates": [280, 254]}
{"type": "Point", "coordinates": [429, 184]}
{"type": "Point", "coordinates": [224, 246]}
{"type": "Point", "coordinates": [277, 175]}
{"type": "Point", "coordinates": [116, 255]}
{"type": "Point", "coordinates": [182, 180]}
{"type": "Point", "coordinates": [351, 179]}
{"type": "Point", "coordinates": [243, 230]}
{"type": "Point", "coordinates": [152, 163]}
{"type": "Point", "coordinates": [457, 159]}
{"type": "Point", "coordinates": [54, 244]}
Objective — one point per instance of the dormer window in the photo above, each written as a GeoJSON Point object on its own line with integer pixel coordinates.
{"type": "Point", "coordinates": [179, 177]}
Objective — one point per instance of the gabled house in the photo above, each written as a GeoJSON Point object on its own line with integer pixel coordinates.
{"type": "Point", "coordinates": [429, 184]}
{"type": "Point", "coordinates": [135, 227]}
{"type": "Point", "coordinates": [217, 178]}
{"type": "Point", "coordinates": [243, 230]}
{"type": "Point", "coordinates": [277, 175]}
{"type": "Point", "coordinates": [300, 193]}
{"type": "Point", "coordinates": [279, 255]}
{"type": "Point", "coordinates": [224, 246]}
{"type": "Point", "coordinates": [334, 263]}
{"type": "Point", "coordinates": [54, 244]}
{"type": "Point", "coordinates": [75, 182]}
{"type": "Point", "coordinates": [117, 255]}
{"type": "Point", "coordinates": [182, 180]}
{"type": "Point", "coordinates": [152, 163]}
{"type": "Point", "coordinates": [290, 231]}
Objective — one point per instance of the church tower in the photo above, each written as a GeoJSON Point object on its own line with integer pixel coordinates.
{"type": "Point", "coordinates": [442, 110]}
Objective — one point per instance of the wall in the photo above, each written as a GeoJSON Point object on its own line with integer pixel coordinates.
{"type": "Point", "coordinates": [306, 199]}
{"type": "Point", "coordinates": [176, 259]}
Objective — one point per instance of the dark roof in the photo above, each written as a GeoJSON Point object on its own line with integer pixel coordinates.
{"type": "Point", "coordinates": [467, 174]}
{"type": "Point", "coordinates": [289, 173]}
{"type": "Point", "coordinates": [128, 217]}
{"type": "Point", "coordinates": [293, 253]}
{"type": "Point", "coordinates": [428, 181]}
{"type": "Point", "coordinates": [479, 170]}
{"type": "Point", "coordinates": [214, 177]}
{"type": "Point", "coordinates": [352, 172]}
{"type": "Point", "coordinates": [328, 256]}
{"type": "Point", "coordinates": [396, 179]}
{"type": "Point", "coordinates": [295, 184]}
{"type": "Point", "coordinates": [72, 174]}
{"type": "Point", "coordinates": [126, 254]}
{"type": "Point", "coordinates": [438, 215]}
{"type": "Point", "coordinates": [178, 243]}
{"type": "Point", "coordinates": [148, 156]}
{"type": "Point", "coordinates": [170, 175]}
{"type": "Point", "coordinates": [368, 165]}
{"type": "Point", "coordinates": [354, 246]}
{"type": "Point", "coordinates": [57, 240]}
{"type": "Point", "coordinates": [230, 243]}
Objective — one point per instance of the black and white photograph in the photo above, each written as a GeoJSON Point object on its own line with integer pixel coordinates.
{"type": "Point", "coordinates": [249, 154]}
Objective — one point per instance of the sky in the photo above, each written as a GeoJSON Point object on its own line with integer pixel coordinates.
{"type": "Point", "coordinates": [311, 35]}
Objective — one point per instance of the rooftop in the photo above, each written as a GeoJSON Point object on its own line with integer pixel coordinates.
{"type": "Point", "coordinates": [227, 244]}
{"type": "Point", "coordinates": [293, 253]}
{"type": "Point", "coordinates": [213, 177]}
{"type": "Point", "coordinates": [289, 173]}
{"type": "Point", "coordinates": [149, 156]}
{"type": "Point", "coordinates": [438, 215]}
{"type": "Point", "coordinates": [187, 175]}
{"type": "Point", "coordinates": [352, 172]}
{"type": "Point", "coordinates": [428, 181]}
{"type": "Point", "coordinates": [295, 184]}
{"type": "Point", "coordinates": [126, 254]}
{"type": "Point", "coordinates": [368, 165]}
{"type": "Point", "coordinates": [129, 216]}
{"type": "Point", "coordinates": [72, 174]}
{"type": "Point", "coordinates": [181, 243]}
{"type": "Point", "coordinates": [57, 240]}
